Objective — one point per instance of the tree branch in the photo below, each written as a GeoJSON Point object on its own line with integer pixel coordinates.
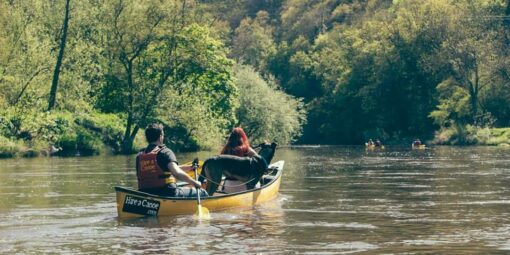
{"type": "Point", "coordinates": [25, 86]}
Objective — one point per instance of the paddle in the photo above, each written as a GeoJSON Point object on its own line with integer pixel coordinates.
{"type": "Point", "coordinates": [202, 212]}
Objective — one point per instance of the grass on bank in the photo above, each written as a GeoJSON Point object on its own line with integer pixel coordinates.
{"type": "Point", "coordinates": [472, 135]}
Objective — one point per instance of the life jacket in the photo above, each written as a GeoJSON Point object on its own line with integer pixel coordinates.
{"type": "Point", "coordinates": [149, 174]}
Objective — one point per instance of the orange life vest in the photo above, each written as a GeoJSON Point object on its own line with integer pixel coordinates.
{"type": "Point", "coordinates": [149, 174]}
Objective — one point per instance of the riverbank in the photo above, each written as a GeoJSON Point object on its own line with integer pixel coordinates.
{"type": "Point", "coordinates": [68, 134]}
{"type": "Point", "coordinates": [60, 133]}
{"type": "Point", "coordinates": [472, 135]}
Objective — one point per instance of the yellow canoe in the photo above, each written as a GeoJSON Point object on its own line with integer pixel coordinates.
{"type": "Point", "coordinates": [373, 147]}
{"type": "Point", "coordinates": [419, 147]}
{"type": "Point", "coordinates": [132, 203]}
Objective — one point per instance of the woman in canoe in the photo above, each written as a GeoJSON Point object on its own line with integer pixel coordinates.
{"type": "Point", "coordinates": [237, 145]}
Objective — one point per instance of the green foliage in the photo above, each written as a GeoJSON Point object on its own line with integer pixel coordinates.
{"type": "Point", "coordinates": [80, 141]}
{"type": "Point", "coordinates": [29, 124]}
{"type": "Point", "coordinates": [292, 67]}
{"type": "Point", "coordinates": [499, 136]}
{"type": "Point", "coordinates": [453, 105]}
{"type": "Point", "coordinates": [170, 56]}
{"type": "Point", "coordinates": [380, 72]}
{"type": "Point", "coordinates": [67, 144]}
{"type": "Point", "coordinates": [146, 63]}
{"type": "Point", "coordinates": [472, 135]}
{"type": "Point", "coordinates": [87, 143]}
{"type": "Point", "coordinates": [74, 134]}
{"type": "Point", "coordinates": [27, 58]}
{"type": "Point", "coordinates": [253, 41]}
{"type": "Point", "coordinates": [365, 68]}
{"type": "Point", "coordinates": [9, 148]}
{"type": "Point", "coordinates": [108, 127]}
{"type": "Point", "coordinates": [265, 112]}
{"type": "Point", "coordinates": [190, 121]}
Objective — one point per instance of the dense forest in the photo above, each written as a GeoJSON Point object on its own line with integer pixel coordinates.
{"type": "Point", "coordinates": [86, 76]}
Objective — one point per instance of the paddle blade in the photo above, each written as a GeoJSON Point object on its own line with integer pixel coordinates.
{"type": "Point", "coordinates": [202, 213]}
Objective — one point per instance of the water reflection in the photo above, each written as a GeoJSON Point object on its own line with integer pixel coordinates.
{"type": "Point", "coordinates": [238, 230]}
{"type": "Point", "coordinates": [333, 200]}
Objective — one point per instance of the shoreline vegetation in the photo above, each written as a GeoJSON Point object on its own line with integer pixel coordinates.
{"type": "Point", "coordinates": [85, 77]}
{"type": "Point", "coordinates": [472, 135]}
{"type": "Point", "coordinates": [97, 134]}
{"type": "Point", "coordinates": [62, 134]}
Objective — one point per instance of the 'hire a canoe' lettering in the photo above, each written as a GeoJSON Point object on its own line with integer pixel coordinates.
{"type": "Point", "coordinates": [141, 206]}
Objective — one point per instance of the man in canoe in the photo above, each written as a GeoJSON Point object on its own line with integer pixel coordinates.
{"type": "Point", "coordinates": [155, 162]}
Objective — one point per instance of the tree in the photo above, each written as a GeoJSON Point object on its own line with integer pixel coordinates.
{"type": "Point", "coordinates": [60, 57]}
{"type": "Point", "coordinates": [253, 42]}
{"type": "Point", "coordinates": [469, 54]}
{"type": "Point", "coordinates": [265, 112]}
{"type": "Point", "coordinates": [155, 48]}
{"type": "Point", "coordinates": [374, 75]}
{"type": "Point", "coordinates": [24, 53]}
{"type": "Point", "coordinates": [454, 105]}
{"type": "Point", "coordinates": [506, 21]}
{"type": "Point", "coordinates": [309, 18]}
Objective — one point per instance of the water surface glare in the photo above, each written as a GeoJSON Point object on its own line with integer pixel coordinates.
{"type": "Point", "coordinates": [333, 200]}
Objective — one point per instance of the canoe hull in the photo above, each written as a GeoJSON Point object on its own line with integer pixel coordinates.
{"type": "Point", "coordinates": [132, 203]}
{"type": "Point", "coordinates": [373, 147]}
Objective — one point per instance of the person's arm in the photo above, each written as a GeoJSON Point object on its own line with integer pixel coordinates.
{"type": "Point", "coordinates": [180, 175]}
{"type": "Point", "coordinates": [186, 168]}
{"type": "Point", "coordinates": [251, 152]}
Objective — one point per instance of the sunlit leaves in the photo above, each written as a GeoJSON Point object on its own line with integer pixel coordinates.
{"type": "Point", "coordinates": [253, 41]}
{"type": "Point", "coordinates": [266, 113]}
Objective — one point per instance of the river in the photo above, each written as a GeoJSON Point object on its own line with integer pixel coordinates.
{"type": "Point", "coordinates": [333, 200]}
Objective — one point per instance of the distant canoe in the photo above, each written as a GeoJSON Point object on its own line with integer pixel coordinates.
{"type": "Point", "coordinates": [373, 147]}
{"type": "Point", "coordinates": [132, 203]}
{"type": "Point", "coordinates": [418, 147]}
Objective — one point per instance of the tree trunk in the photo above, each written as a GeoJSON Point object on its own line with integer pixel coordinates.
{"type": "Point", "coordinates": [60, 57]}
{"type": "Point", "coordinates": [474, 105]}
{"type": "Point", "coordinates": [506, 26]}
{"type": "Point", "coordinates": [474, 90]}
{"type": "Point", "coordinates": [135, 131]}
{"type": "Point", "coordinates": [127, 146]}
{"type": "Point", "coordinates": [127, 142]}
{"type": "Point", "coordinates": [507, 13]}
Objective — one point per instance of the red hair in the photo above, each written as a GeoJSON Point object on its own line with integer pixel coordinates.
{"type": "Point", "coordinates": [237, 143]}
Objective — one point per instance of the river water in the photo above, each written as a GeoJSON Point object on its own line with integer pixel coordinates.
{"type": "Point", "coordinates": [333, 200]}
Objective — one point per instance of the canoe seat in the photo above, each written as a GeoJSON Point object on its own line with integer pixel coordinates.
{"type": "Point", "coordinates": [233, 186]}
{"type": "Point", "coordinates": [266, 179]}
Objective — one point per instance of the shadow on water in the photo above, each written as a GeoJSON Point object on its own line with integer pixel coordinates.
{"type": "Point", "coordinates": [333, 200]}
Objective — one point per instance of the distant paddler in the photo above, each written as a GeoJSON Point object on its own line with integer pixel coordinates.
{"type": "Point", "coordinates": [417, 144]}
{"type": "Point", "coordinates": [378, 144]}
{"type": "Point", "coordinates": [371, 145]}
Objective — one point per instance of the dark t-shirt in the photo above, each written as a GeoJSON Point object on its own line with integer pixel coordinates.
{"type": "Point", "coordinates": [164, 157]}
